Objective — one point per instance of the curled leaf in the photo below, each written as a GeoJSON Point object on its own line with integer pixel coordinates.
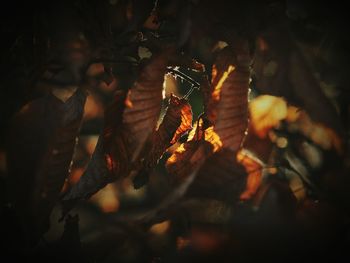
{"type": "Point", "coordinates": [186, 118]}
{"type": "Point", "coordinates": [198, 173]}
{"type": "Point", "coordinates": [224, 123]}
{"type": "Point", "coordinates": [207, 161]}
{"type": "Point", "coordinates": [101, 167]}
{"type": "Point", "coordinates": [180, 164]}
{"type": "Point", "coordinates": [129, 121]}
{"type": "Point", "coordinates": [184, 159]}
{"type": "Point", "coordinates": [192, 159]}
{"type": "Point", "coordinates": [176, 122]}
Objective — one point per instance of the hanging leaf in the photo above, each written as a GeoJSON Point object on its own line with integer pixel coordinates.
{"type": "Point", "coordinates": [191, 159]}
{"type": "Point", "coordinates": [185, 114]}
{"type": "Point", "coordinates": [226, 99]}
{"type": "Point", "coordinates": [232, 110]}
{"type": "Point", "coordinates": [42, 139]}
{"type": "Point", "coordinates": [228, 107]}
{"type": "Point", "coordinates": [211, 90]}
{"type": "Point", "coordinates": [220, 131]}
{"type": "Point", "coordinates": [200, 173]}
{"type": "Point", "coordinates": [143, 104]}
{"type": "Point", "coordinates": [129, 122]}
{"type": "Point", "coordinates": [180, 163]}
{"type": "Point", "coordinates": [217, 164]}
{"type": "Point", "coordinates": [100, 168]}
{"type": "Point", "coordinates": [176, 122]}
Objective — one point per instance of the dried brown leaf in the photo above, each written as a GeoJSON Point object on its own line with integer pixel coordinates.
{"type": "Point", "coordinates": [176, 122]}
{"type": "Point", "coordinates": [129, 122]}
{"type": "Point", "coordinates": [43, 138]}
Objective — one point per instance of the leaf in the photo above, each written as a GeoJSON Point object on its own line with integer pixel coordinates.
{"type": "Point", "coordinates": [176, 122]}
{"type": "Point", "coordinates": [114, 147]}
{"type": "Point", "coordinates": [226, 97]}
{"type": "Point", "coordinates": [101, 168]}
{"type": "Point", "coordinates": [129, 122]}
{"type": "Point", "coordinates": [215, 162]}
{"type": "Point", "coordinates": [192, 159]}
{"type": "Point", "coordinates": [200, 173]}
{"type": "Point", "coordinates": [228, 107]}
{"type": "Point", "coordinates": [226, 101]}
{"type": "Point", "coordinates": [143, 104]}
{"type": "Point", "coordinates": [180, 163]}
{"type": "Point", "coordinates": [232, 121]}
{"type": "Point", "coordinates": [186, 117]}
{"type": "Point", "coordinates": [43, 138]}
{"type": "Point", "coordinates": [221, 130]}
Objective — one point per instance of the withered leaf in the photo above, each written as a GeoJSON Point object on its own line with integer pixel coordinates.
{"type": "Point", "coordinates": [228, 105]}
{"type": "Point", "coordinates": [100, 169]}
{"type": "Point", "coordinates": [222, 128]}
{"type": "Point", "coordinates": [191, 159]}
{"type": "Point", "coordinates": [232, 110]}
{"type": "Point", "coordinates": [181, 162]}
{"type": "Point", "coordinates": [217, 167]}
{"type": "Point", "coordinates": [200, 173]}
{"type": "Point", "coordinates": [186, 117]}
{"type": "Point", "coordinates": [143, 104]}
{"type": "Point", "coordinates": [129, 121]}
{"type": "Point", "coordinates": [43, 137]}
{"type": "Point", "coordinates": [176, 122]}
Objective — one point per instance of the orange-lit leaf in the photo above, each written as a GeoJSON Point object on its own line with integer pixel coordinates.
{"type": "Point", "coordinates": [176, 122]}
{"type": "Point", "coordinates": [191, 161]}
{"type": "Point", "coordinates": [213, 138]}
{"type": "Point", "coordinates": [186, 122]}
{"type": "Point", "coordinates": [182, 162]}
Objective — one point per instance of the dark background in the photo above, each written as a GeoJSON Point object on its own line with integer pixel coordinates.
{"type": "Point", "coordinates": [32, 31]}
